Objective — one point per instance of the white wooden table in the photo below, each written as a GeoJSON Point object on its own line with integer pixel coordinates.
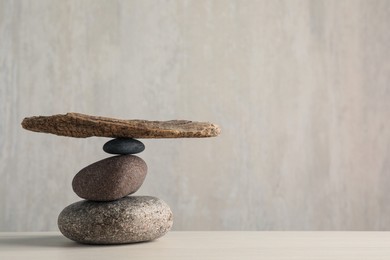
{"type": "Point", "coordinates": [206, 245]}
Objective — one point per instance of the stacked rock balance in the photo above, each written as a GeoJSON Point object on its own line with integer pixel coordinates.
{"type": "Point", "coordinates": [110, 214]}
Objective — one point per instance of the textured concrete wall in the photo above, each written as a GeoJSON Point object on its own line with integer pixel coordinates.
{"type": "Point", "coordinates": [300, 88]}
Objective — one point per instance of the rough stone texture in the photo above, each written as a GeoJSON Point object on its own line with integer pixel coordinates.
{"type": "Point", "coordinates": [111, 178]}
{"type": "Point", "coordinates": [123, 146]}
{"type": "Point", "coordinates": [128, 220]}
{"type": "Point", "coordinates": [79, 125]}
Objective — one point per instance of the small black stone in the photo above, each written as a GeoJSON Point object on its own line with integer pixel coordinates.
{"type": "Point", "coordinates": [123, 146]}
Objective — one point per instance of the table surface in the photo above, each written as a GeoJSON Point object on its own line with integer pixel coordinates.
{"type": "Point", "coordinates": [206, 245]}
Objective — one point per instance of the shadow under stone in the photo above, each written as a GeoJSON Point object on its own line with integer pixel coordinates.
{"type": "Point", "coordinates": [38, 241]}
{"type": "Point", "coordinates": [54, 241]}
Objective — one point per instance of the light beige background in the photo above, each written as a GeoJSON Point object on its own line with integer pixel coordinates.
{"type": "Point", "coordinates": [300, 88]}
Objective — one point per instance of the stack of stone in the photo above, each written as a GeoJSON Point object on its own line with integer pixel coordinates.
{"type": "Point", "coordinates": [108, 215]}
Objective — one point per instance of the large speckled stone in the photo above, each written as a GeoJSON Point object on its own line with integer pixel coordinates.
{"type": "Point", "coordinates": [127, 220]}
{"type": "Point", "coordinates": [111, 178]}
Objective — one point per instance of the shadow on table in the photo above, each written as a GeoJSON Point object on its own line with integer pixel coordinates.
{"type": "Point", "coordinates": [52, 241]}
{"type": "Point", "coordinates": [41, 241]}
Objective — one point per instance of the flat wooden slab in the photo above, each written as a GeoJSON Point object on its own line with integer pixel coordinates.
{"type": "Point", "coordinates": [81, 126]}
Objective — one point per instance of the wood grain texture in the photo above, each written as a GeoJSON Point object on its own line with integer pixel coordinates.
{"type": "Point", "coordinates": [301, 89]}
{"type": "Point", "coordinates": [81, 126]}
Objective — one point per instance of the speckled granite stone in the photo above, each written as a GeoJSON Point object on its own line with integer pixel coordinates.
{"type": "Point", "coordinates": [111, 178]}
{"type": "Point", "coordinates": [127, 220]}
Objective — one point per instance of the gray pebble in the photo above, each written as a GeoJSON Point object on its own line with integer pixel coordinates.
{"type": "Point", "coordinates": [128, 220]}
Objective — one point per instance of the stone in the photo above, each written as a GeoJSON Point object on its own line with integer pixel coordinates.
{"type": "Point", "coordinates": [80, 125]}
{"type": "Point", "coordinates": [111, 178]}
{"type": "Point", "coordinates": [123, 146]}
{"type": "Point", "coordinates": [128, 220]}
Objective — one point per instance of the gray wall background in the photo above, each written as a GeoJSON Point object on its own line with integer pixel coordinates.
{"type": "Point", "coordinates": [300, 88]}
